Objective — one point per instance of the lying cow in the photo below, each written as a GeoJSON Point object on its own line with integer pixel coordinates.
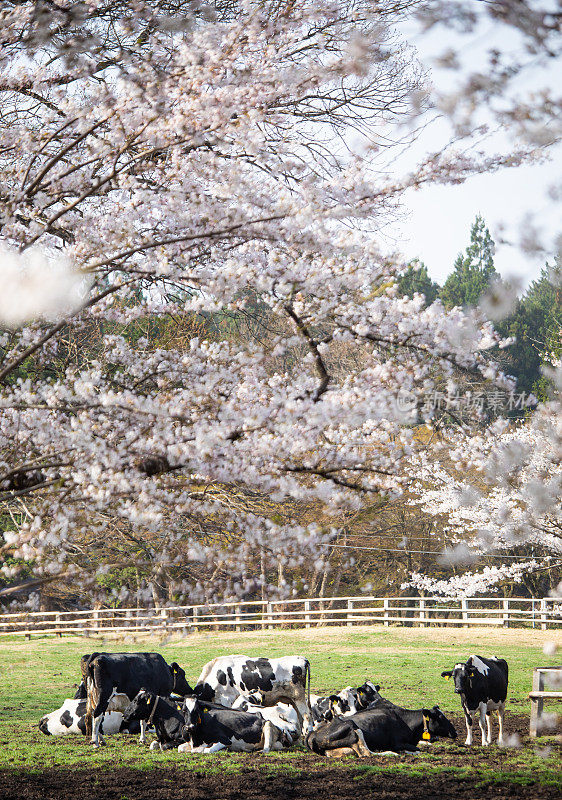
{"type": "Point", "coordinates": [210, 727]}
{"type": "Point", "coordinates": [163, 713]}
{"type": "Point", "coordinates": [385, 727]}
{"type": "Point", "coordinates": [128, 673]}
{"type": "Point", "coordinates": [348, 701]}
{"type": "Point", "coordinates": [282, 715]}
{"type": "Point", "coordinates": [482, 685]}
{"type": "Point", "coordinates": [268, 680]}
{"type": "Point", "coordinates": [71, 718]}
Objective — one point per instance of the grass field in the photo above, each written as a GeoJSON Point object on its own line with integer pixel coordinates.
{"type": "Point", "coordinates": [35, 676]}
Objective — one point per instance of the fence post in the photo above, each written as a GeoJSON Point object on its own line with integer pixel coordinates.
{"type": "Point", "coordinates": [505, 615]}
{"type": "Point", "coordinates": [195, 615]}
{"type": "Point", "coordinates": [385, 609]}
{"type": "Point", "coordinates": [422, 612]}
{"type": "Point", "coordinates": [57, 621]}
{"type": "Point", "coordinates": [164, 616]}
{"type": "Point", "coordinates": [543, 614]}
{"type": "Point", "coordinates": [464, 609]}
{"type": "Point", "coordinates": [307, 613]}
{"type": "Point", "coordinates": [270, 625]}
{"type": "Point", "coordinates": [349, 612]}
{"type": "Point", "coordinates": [536, 703]}
{"type": "Point", "coordinates": [238, 627]}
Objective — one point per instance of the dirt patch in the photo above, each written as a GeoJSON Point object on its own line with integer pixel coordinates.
{"type": "Point", "coordinates": [253, 784]}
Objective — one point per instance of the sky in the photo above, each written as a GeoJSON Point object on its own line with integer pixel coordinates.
{"type": "Point", "coordinates": [437, 220]}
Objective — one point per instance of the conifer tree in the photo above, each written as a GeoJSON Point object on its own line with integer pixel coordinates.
{"type": "Point", "coordinates": [473, 271]}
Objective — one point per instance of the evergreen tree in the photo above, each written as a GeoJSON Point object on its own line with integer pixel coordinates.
{"type": "Point", "coordinates": [535, 323]}
{"type": "Point", "coordinates": [472, 271]}
{"type": "Point", "coordinates": [416, 279]}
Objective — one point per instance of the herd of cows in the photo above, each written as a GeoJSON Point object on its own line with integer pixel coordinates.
{"type": "Point", "coordinates": [245, 704]}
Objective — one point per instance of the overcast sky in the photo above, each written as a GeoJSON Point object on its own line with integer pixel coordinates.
{"type": "Point", "coordinates": [437, 225]}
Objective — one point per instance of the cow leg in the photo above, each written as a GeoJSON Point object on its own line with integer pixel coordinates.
{"type": "Point", "coordinates": [97, 739]}
{"type": "Point", "coordinates": [501, 712]}
{"type": "Point", "coordinates": [142, 739]}
{"type": "Point", "coordinates": [305, 718]}
{"type": "Point", "coordinates": [360, 747]}
{"type": "Point", "coordinates": [214, 748]}
{"type": "Point", "coordinates": [268, 736]}
{"type": "Point", "coordinates": [481, 720]}
{"type": "Point", "coordinates": [468, 720]}
{"type": "Point", "coordinates": [489, 727]}
{"type": "Point", "coordinates": [99, 693]}
{"type": "Point", "coordinates": [340, 752]}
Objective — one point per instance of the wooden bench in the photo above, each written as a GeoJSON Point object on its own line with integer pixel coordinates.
{"type": "Point", "coordinates": [539, 695]}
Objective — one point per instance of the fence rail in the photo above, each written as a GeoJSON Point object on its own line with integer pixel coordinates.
{"type": "Point", "coordinates": [542, 613]}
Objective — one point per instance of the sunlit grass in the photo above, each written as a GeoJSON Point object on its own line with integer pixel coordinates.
{"type": "Point", "coordinates": [35, 676]}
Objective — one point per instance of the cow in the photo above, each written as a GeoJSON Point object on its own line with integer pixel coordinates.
{"type": "Point", "coordinates": [345, 703]}
{"type": "Point", "coordinates": [266, 681]}
{"type": "Point", "coordinates": [350, 701]}
{"type": "Point", "coordinates": [149, 708]}
{"type": "Point", "coordinates": [384, 727]}
{"type": "Point", "coordinates": [482, 685]}
{"type": "Point", "coordinates": [128, 673]}
{"type": "Point", "coordinates": [282, 715]}
{"type": "Point", "coordinates": [71, 718]}
{"type": "Point", "coordinates": [210, 727]}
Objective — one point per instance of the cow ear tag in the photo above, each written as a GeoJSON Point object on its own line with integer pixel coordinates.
{"type": "Point", "coordinates": [426, 734]}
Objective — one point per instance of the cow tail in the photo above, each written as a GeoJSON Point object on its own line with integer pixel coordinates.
{"type": "Point", "coordinates": [93, 678]}
{"type": "Point", "coordinates": [307, 681]}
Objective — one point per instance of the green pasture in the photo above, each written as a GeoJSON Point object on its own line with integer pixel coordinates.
{"type": "Point", "coordinates": [36, 676]}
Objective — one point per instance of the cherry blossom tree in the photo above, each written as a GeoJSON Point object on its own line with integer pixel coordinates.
{"type": "Point", "coordinates": [176, 161]}
{"type": "Point", "coordinates": [500, 492]}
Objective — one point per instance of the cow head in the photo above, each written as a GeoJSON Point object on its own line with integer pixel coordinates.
{"type": "Point", "coordinates": [437, 724]}
{"type": "Point", "coordinates": [366, 694]}
{"type": "Point", "coordinates": [140, 707]}
{"type": "Point", "coordinates": [180, 685]}
{"type": "Point", "coordinates": [353, 700]}
{"type": "Point", "coordinates": [339, 703]}
{"type": "Point", "coordinates": [192, 711]}
{"type": "Point", "coordinates": [81, 692]}
{"type": "Point", "coordinates": [44, 725]}
{"type": "Point", "coordinates": [463, 676]}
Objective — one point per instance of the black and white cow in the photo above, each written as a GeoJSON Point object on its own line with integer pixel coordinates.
{"type": "Point", "coordinates": [151, 709]}
{"type": "Point", "coordinates": [264, 681]}
{"type": "Point", "coordinates": [71, 718]}
{"type": "Point", "coordinates": [210, 727]}
{"type": "Point", "coordinates": [348, 701]}
{"type": "Point", "coordinates": [385, 727]}
{"type": "Point", "coordinates": [128, 673]}
{"type": "Point", "coordinates": [482, 685]}
{"type": "Point", "coordinates": [282, 715]}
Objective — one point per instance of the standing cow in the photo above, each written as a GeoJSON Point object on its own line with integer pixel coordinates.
{"type": "Point", "coordinates": [128, 673]}
{"type": "Point", "coordinates": [482, 685]}
{"type": "Point", "coordinates": [266, 681]}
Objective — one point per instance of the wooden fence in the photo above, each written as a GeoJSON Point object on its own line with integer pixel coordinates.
{"type": "Point", "coordinates": [542, 613]}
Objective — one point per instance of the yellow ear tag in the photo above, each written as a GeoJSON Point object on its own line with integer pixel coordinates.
{"type": "Point", "coordinates": [426, 735]}
{"type": "Point", "coordinates": [448, 677]}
